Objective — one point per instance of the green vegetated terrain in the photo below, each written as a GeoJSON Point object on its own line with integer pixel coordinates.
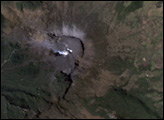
{"type": "Point", "coordinates": [120, 75]}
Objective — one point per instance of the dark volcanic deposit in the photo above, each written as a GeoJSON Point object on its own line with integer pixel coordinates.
{"type": "Point", "coordinates": [81, 60]}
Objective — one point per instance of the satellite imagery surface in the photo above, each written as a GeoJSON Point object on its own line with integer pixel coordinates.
{"type": "Point", "coordinates": [81, 59]}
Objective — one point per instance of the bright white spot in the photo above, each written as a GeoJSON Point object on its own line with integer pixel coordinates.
{"type": "Point", "coordinates": [69, 50]}
{"type": "Point", "coordinates": [147, 75]}
{"type": "Point", "coordinates": [144, 59]}
{"type": "Point", "coordinates": [64, 52]}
